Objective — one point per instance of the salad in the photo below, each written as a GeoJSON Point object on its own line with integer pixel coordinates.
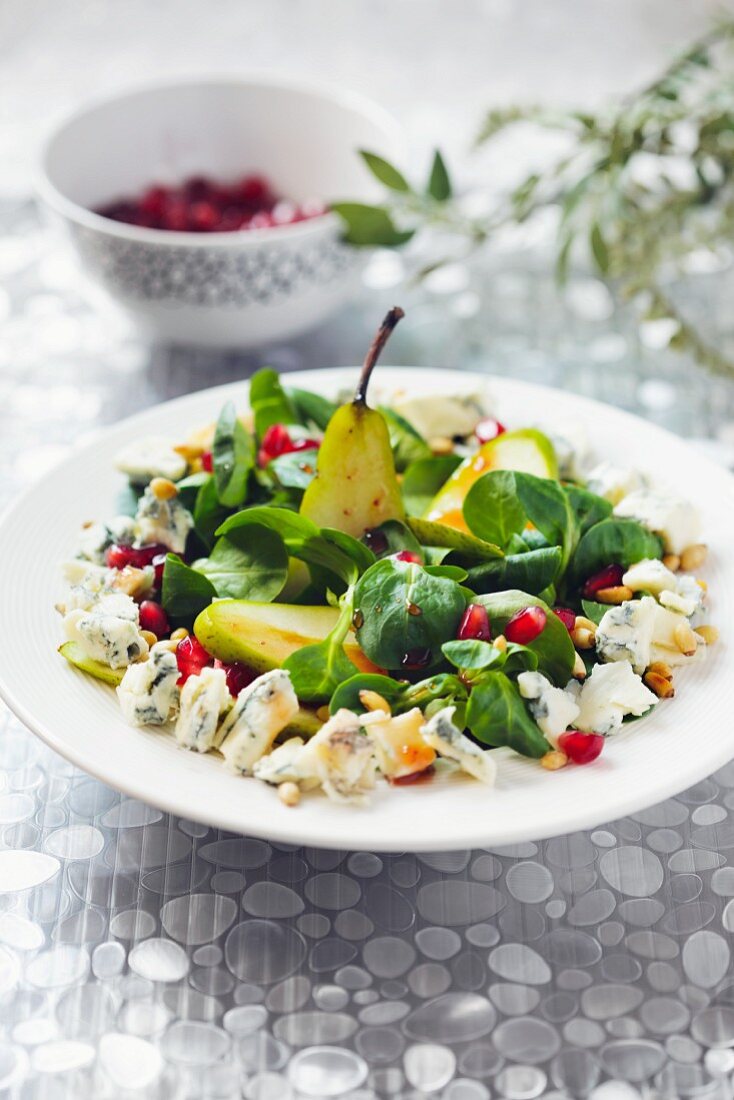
{"type": "Point", "coordinates": [328, 595]}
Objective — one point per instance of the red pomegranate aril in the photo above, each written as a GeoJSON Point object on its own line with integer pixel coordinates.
{"type": "Point", "coordinates": [609, 577]}
{"type": "Point", "coordinates": [207, 462]}
{"type": "Point", "coordinates": [303, 445]}
{"type": "Point", "coordinates": [118, 555]}
{"type": "Point", "coordinates": [408, 555]}
{"type": "Point", "coordinates": [475, 624]}
{"type": "Point", "coordinates": [525, 625]}
{"type": "Point", "coordinates": [159, 564]}
{"type": "Point", "coordinates": [254, 190]}
{"type": "Point", "coordinates": [154, 200]}
{"type": "Point", "coordinates": [276, 440]}
{"type": "Point", "coordinates": [175, 215]}
{"type": "Point", "coordinates": [413, 777]}
{"type": "Point", "coordinates": [581, 748]}
{"type": "Point", "coordinates": [191, 658]}
{"type": "Point", "coordinates": [154, 618]}
{"type": "Point", "coordinates": [567, 617]}
{"type": "Point", "coordinates": [238, 676]}
{"type": "Point", "coordinates": [488, 429]}
{"type": "Point", "coordinates": [203, 216]}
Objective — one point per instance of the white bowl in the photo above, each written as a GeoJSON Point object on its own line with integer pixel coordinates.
{"type": "Point", "coordinates": [235, 289]}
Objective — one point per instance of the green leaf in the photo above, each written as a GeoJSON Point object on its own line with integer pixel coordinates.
{"type": "Point", "coordinates": [445, 688]}
{"type": "Point", "coordinates": [467, 546]}
{"type": "Point", "coordinates": [385, 172]}
{"type": "Point", "coordinates": [347, 693]}
{"type": "Point", "coordinates": [553, 646]}
{"type": "Point", "coordinates": [208, 512]}
{"type": "Point", "coordinates": [185, 591]}
{"type": "Point", "coordinates": [588, 507]}
{"type": "Point", "coordinates": [232, 457]}
{"type": "Point", "coordinates": [269, 402]}
{"type": "Point", "coordinates": [599, 249]}
{"type": "Point", "coordinates": [311, 408]}
{"type": "Point", "coordinates": [251, 563]}
{"type": "Point", "coordinates": [423, 479]}
{"type": "Point", "coordinates": [370, 226]}
{"type": "Point", "coordinates": [188, 488]}
{"type": "Point", "coordinates": [360, 554]}
{"type": "Point", "coordinates": [405, 611]}
{"type": "Point", "coordinates": [594, 611]}
{"type": "Point", "coordinates": [439, 183]}
{"type": "Point", "coordinates": [318, 670]}
{"type": "Point", "coordinates": [618, 541]}
{"type": "Point", "coordinates": [497, 716]}
{"type": "Point", "coordinates": [396, 536]}
{"type": "Point", "coordinates": [471, 653]}
{"type": "Point", "coordinates": [531, 571]}
{"type": "Point", "coordinates": [407, 444]}
{"type": "Point", "coordinates": [295, 470]}
{"type": "Point", "coordinates": [453, 572]}
{"type": "Point", "coordinates": [492, 507]}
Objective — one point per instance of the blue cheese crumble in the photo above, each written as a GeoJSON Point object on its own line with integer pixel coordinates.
{"type": "Point", "coordinates": [610, 693]}
{"type": "Point", "coordinates": [676, 521]}
{"type": "Point", "coordinates": [553, 709]}
{"type": "Point", "coordinates": [109, 632]}
{"type": "Point", "coordinates": [164, 521]}
{"type": "Point", "coordinates": [152, 456]}
{"type": "Point", "coordinates": [148, 693]}
{"type": "Point", "coordinates": [625, 633]}
{"type": "Point", "coordinates": [204, 699]}
{"type": "Point", "coordinates": [261, 711]}
{"type": "Point", "coordinates": [447, 740]}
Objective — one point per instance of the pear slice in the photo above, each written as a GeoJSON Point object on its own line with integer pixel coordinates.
{"type": "Point", "coordinates": [527, 450]}
{"type": "Point", "coordinates": [77, 657]}
{"type": "Point", "coordinates": [356, 486]}
{"type": "Point", "coordinates": [263, 635]}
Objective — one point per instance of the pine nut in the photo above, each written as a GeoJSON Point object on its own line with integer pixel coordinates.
{"type": "Point", "coordinates": [587, 624]}
{"type": "Point", "coordinates": [323, 714]}
{"type": "Point", "coordinates": [619, 593]}
{"type": "Point", "coordinates": [289, 794]}
{"type": "Point", "coordinates": [168, 644]}
{"type": "Point", "coordinates": [149, 636]}
{"type": "Point", "coordinates": [660, 685]}
{"type": "Point", "coordinates": [693, 557]}
{"type": "Point", "coordinates": [190, 453]}
{"type": "Point", "coordinates": [661, 668]}
{"type": "Point", "coordinates": [710, 634]}
{"type": "Point", "coordinates": [579, 668]}
{"type": "Point", "coordinates": [554, 760]}
{"type": "Point", "coordinates": [500, 643]}
{"type": "Point", "coordinates": [685, 639]}
{"type": "Point", "coordinates": [702, 584]}
{"type": "Point", "coordinates": [163, 489]}
{"type": "Point", "coordinates": [131, 580]}
{"type": "Point", "coordinates": [671, 562]}
{"type": "Point", "coordinates": [179, 634]}
{"type": "Point", "coordinates": [372, 700]}
{"type": "Point", "coordinates": [441, 445]}
{"type": "Point", "coordinates": [583, 638]}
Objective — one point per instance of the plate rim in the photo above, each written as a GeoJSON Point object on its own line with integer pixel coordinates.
{"type": "Point", "coordinates": [662, 786]}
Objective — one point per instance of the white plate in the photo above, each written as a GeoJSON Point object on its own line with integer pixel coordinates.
{"type": "Point", "coordinates": [679, 743]}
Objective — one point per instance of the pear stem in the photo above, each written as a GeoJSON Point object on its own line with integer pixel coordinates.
{"type": "Point", "coordinates": [381, 337]}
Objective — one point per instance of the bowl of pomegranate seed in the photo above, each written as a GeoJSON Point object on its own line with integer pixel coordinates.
{"type": "Point", "coordinates": [202, 207]}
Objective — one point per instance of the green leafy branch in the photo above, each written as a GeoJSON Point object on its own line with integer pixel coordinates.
{"type": "Point", "coordinates": [643, 185]}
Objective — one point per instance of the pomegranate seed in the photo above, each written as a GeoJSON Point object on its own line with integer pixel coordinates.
{"type": "Point", "coordinates": [159, 564]}
{"type": "Point", "coordinates": [413, 777]}
{"type": "Point", "coordinates": [118, 556]}
{"type": "Point", "coordinates": [303, 445]}
{"type": "Point", "coordinates": [488, 429]}
{"type": "Point", "coordinates": [207, 462]}
{"type": "Point", "coordinates": [191, 657]}
{"type": "Point", "coordinates": [153, 201]}
{"type": "Point", "coordinates": [203, 216]}
{"type": "Point", "coordinates": [238, 676]}
{"type": "Point", "coordinates": [261, 220]}
{"type": "Point", "coordinates": [474, 624]}
{"type": "Point", "coordinates": [154, 618]}
{"type": "Point", "coordinates": [581, 748]}
{"type": "Point", "coordinates": [567, 617]}
{"type": "Point", "coordinates": [525, 625]}
{"type": "Point", "coordinates": [276, 440]}
{"type": "Point", "coordinates": [408, 555]}
{"type": "Point", "coordinates": [609, 577]}
{"type": "Point", "coordinates": [416, 658]}
{"type": "Point", "coordinates": [376, 540]}
{"type": "Point", "coordinates": [175, 215]}
{"type": "Point", "coordinates": [254, 190]}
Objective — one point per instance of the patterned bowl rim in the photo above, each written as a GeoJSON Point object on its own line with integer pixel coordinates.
{"type": "Point", "coordinates": [57, 201]}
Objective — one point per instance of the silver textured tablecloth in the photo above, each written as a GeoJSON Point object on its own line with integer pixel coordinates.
{"type": "Point", "coordinates": [144, 956]}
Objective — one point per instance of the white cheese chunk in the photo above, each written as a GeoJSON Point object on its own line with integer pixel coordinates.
{"type": "Point", "coordinates": [341, 757]}
{"type": "Point", "coordinates": [446, 414]}
{"type": "Point", "coordinates": [109, 632]}
{"type": "Point", "coordinates": [676, 602]}
{"type": "Point", "coordinates": [571, 444]}
{"type": "Point", "coordinates": [448, 740]}
{"type": "Point", "coordinates": [609, 694]}
{"type": "Point", "coordinates": [261, 711]}
{"type": "Point", "coordinates": [286, 764]}
{"type": "Point", "coordinates": [148, 692]}
{"type": "Point", "coordinates": [553, 709]}
{"type": "Point", "coordinates": [399, 744]}
{"type": "Point", "coordinates": [664, 645]}
{"type": "Point", "coordinates": [163, 521]}
{"type": "Point", "coordinates": [625, 632]}
{"type": "Point", "coordinates": [612, 482]}
{"type": "Point", "coordinates": [86, 583]}
{"type": "Point", "coordinates": [676, 521]}
{"type": "Point", "coordinates": [152, 456]}
{"type": "Point", "coordinates": [204, 698]}
{"type": "Point", "coordinates": [96, 538]}
{"type": "Point", "coordinates": [650, 575]}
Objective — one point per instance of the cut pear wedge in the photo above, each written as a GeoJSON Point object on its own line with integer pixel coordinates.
{"type": "Point", "coordinates": [76, 656]}
{"type": "Point", "coordinates": [263, 635]}
{"type": "Point", "coordinates": [527, 451]}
